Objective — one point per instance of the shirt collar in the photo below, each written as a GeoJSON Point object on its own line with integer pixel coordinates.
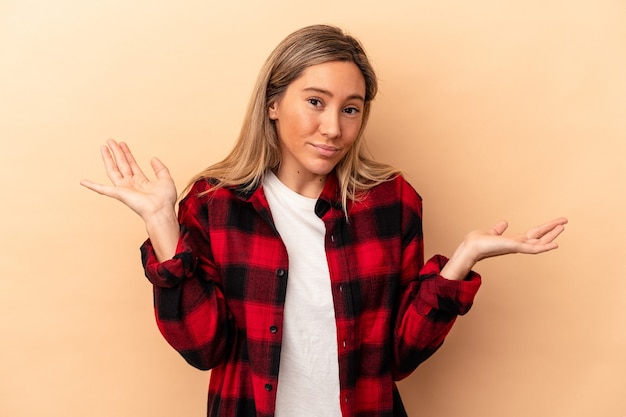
{"type": "Point", "coordinates": [330, 196]}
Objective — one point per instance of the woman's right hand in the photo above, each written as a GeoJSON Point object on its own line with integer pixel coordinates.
{"type": "Point", "coordinates": [154, 200]}
{"type": "Point", "coordinates": [131, 186]}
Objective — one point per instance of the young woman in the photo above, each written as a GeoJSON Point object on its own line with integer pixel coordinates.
{"type": "Point", "coordinates": [294, 268]}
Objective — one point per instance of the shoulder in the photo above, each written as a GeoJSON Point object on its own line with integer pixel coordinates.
{"type": "Point", "coordinates": [396, 188]}
{"type": "Point", "coordinates": [196, 190]}
{"type": "Point", "coordinates": [212, 205]}
{"type": "Point", "coordinates": [213, 187]}
{"type": "Point", "coordinates": [205, 190]}
{"type": "Point", "coordinates": [391, 197]}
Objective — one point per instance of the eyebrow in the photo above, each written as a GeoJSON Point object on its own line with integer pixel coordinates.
{"type": "Point", "coordinates": [328, 93]}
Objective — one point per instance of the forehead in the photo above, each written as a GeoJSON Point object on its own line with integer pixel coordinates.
{"type": "Point", "coordinates": [336, 77]}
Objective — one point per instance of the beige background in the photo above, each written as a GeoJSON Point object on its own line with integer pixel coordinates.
{"type": "Point", "coordinates": [493, 109]}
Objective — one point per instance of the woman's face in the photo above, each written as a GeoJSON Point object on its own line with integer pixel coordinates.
{"type": "Point", "coordinates": [318, 118]}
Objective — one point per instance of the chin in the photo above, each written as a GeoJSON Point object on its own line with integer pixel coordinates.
{"type": "Point", "coordinates": [322, 169]}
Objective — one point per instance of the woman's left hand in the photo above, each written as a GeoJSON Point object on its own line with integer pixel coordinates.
{"type": "Point", "coordinates": [479, 245]}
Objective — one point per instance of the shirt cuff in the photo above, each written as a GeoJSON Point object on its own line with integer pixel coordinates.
{"type": "Point", "coordinates": [449, 296]}
{"type": "Point", "coordinates": [171, 272]}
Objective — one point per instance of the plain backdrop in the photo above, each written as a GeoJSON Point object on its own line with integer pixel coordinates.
{"type": "Point", "coordinates": [493, 109]}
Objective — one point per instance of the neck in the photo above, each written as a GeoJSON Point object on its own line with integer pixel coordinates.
{"type": "Point", "coordinates": [306, 185]}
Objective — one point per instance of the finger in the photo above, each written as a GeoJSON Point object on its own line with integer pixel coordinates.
{"type": "Point", "coordinates": [499, 228]}
{"type": "Point", "coordinates": [540, 231]}
{"type": "Point", "coordinates": [110, 166]}
{"type": "Point", "coordinates": [160, 170]}
{"type": "Point", "coordinates": [100, 188]}
{"type": "Point", "coordinates": [530, 248]}
{"type": "Point", "coordinates": [552, 234]}
{"type": "Point", "coordinates": [132, 163]}
{"type": "Point", "coordinates": [120, 158]}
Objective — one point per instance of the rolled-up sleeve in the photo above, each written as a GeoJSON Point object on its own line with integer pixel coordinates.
{"type": "Point", "coordinates": [190, 308]}
{"type": "Point", "coordinates": [427, 304]}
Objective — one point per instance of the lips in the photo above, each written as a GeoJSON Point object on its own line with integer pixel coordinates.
{"type": "Point", "coordinates": [326, 150]}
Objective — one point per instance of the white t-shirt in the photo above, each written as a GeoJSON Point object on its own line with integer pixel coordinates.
{"type": "Point", "coordinates": [308, 378]}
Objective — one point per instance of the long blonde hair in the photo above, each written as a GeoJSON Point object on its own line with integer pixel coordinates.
{"type": "Point", "coordinates": [257, 147]}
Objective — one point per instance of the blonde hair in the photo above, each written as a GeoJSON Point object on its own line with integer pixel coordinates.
{"type": "Point", "coordinates": [257, 147]}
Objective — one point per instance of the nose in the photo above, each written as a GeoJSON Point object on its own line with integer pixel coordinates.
{"type": "Point", "coordinates": [330, 126]}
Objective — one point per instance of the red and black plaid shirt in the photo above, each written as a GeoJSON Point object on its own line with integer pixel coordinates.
{"type": "Point", "coordinates": [219, 302]}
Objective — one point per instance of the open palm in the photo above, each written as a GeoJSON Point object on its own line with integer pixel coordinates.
{"type": "Point", "coordinates": [537, 240]}
{"type": "Point", "coordinates": [131, 186]}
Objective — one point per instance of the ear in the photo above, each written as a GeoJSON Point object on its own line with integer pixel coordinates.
{"type": "Point", "coordinates": [272, 111]}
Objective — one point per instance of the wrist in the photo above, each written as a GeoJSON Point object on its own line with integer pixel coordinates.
{"type": "Point", "coordinates": [460, 263]}
{"type": "Point", "coordinates": [164, 231]}
{"type": "Point", "coordinates": [161, 218]}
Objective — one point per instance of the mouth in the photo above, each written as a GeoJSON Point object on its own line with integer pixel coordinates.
{"type": "Point", "coordinates": [326, 150]}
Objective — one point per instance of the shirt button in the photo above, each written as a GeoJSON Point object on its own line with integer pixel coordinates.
{"type": "Point", "coordinates": [268, 387]}
{"type": "Point", "coordinates": [273, 329]}
{"type": "Point", "coordinates": [280, 272]}
{"type": "Point", "coordinates": [340, 288]}
{"type": "Point", "coordinates": [344, 344]}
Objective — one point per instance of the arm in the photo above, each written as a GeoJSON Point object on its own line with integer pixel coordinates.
{"type": "Point", "coordinates": [433, 295]}
{"type": "Point", "coordinates": [427, 304]}
{"type": "Point", "coordinates": [191, 312]}
{"type": "Point", "coordinates": [190, 308]}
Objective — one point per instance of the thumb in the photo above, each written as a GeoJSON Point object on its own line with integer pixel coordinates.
{"type": "Point", "coordinates": [160, 170]}
{"type": "Point", "coordinates": [499, 228]}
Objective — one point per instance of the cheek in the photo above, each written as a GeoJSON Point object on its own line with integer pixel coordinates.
{"type": "Point", "coordinates": [299, 125]}
{"type": "Point", "coordinates": [351, 132]}
{"type": "Point", "coordinates": [308, 124]}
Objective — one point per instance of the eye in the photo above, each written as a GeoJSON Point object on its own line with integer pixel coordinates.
{"type": "Point", "coordinates": [351, 110]}
{"type": "Point", "coordinates": [316, 102]}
